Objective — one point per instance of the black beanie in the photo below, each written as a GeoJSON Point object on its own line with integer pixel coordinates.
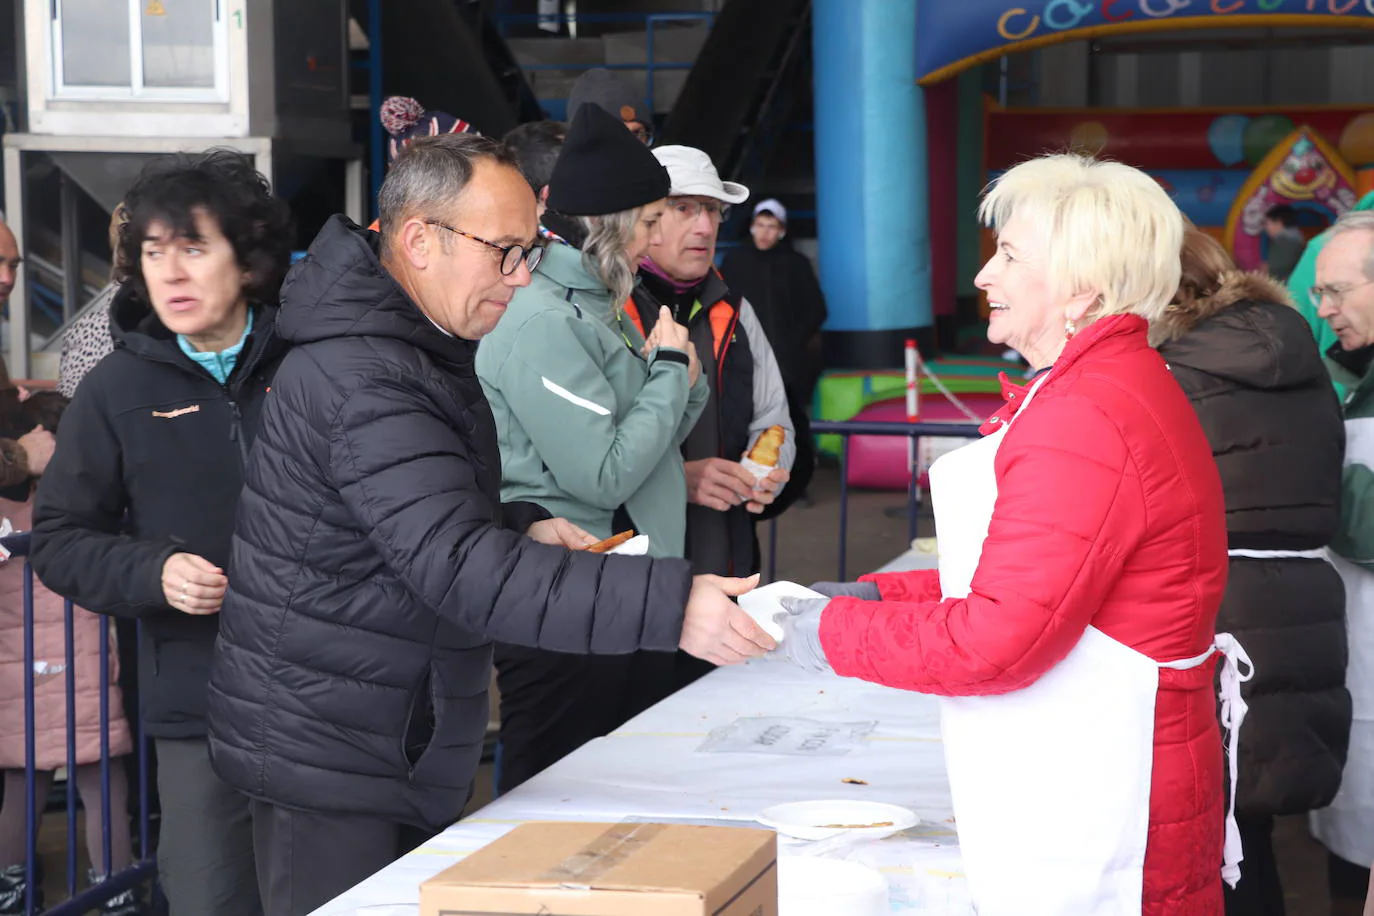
{"type": "Point", "coordinates": [604, 168]}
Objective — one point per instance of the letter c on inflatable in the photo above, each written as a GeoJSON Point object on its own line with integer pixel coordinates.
{"type": "Point", "coordinates": [1173, 7]}
{"type": "Point", "coordinates": [1035, 24]}
{"type": "Point", "coordinates": [1117, 17]}
{"type": "Point", "coordinates": [1077, 10]}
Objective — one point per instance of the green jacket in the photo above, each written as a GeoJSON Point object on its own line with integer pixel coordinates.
{"type": "Point", "coordinates": [1304, 277]}
{"type": "Point", "coordinates": [1355, 371]}
{"type": "Point", "coordinates": [587, 425]}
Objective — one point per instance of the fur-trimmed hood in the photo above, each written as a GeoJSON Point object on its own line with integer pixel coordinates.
{"type": "Point", "coordinates": [1248, 333]}
{"type": "Point", "coordinates": [1236, 286]}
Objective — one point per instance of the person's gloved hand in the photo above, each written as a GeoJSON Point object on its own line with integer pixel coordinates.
{"type": "Point", "coordinates": [866, 591]}
{"type": "Point", "coordinates": [800, 620]}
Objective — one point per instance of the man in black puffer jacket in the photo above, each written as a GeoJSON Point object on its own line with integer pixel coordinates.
{"type": "Point", "coordinates": [1248, 363]}
{"type": "Point", "coordinates": [373, 561]}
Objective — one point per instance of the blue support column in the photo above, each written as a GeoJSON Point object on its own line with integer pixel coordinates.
{"type": "Point", "coordinates": [871, 180]}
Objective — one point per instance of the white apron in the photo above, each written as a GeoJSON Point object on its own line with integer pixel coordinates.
{"type": "Point", "coordinates": [1051, 783]}
{"type": "Point", "coordinates": [1347, 826]}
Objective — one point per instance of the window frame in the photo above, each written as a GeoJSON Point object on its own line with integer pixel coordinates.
{"type": "Point", "coordinates": [137, 91]}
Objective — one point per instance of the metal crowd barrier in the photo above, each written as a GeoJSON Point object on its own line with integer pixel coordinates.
{"type": "Point", "coordinates": [846, 429]}
{"type": "Point", "coordinates": [144, 868]}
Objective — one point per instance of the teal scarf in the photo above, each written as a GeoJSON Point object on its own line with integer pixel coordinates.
{"type": "Point", "coordinates": [221, 364]}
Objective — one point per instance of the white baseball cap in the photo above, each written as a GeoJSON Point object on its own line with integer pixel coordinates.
{"type": "Point", "coordinates": [694, 175]}
{"type": "Point", "coordinates": [773, 206]}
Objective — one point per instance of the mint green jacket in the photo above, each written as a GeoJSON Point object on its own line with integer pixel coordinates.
{"type": "Point", "coordinates": [585, 423]}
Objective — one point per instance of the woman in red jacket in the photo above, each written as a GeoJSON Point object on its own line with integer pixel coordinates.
{"type": "Point", "coordinates": [1069, 627]}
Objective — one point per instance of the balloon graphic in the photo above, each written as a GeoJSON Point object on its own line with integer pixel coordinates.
{"type": "Point", "coordinates": [1226, 136]}
{"type": "Point", "coordinates": [1263, 134]}
{"type": "Point", "coordinates": [1089, 137]}
{"type": "Point", "coordinates": [1357, 140]}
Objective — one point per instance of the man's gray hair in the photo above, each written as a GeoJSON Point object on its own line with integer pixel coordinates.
{"type": "Point", "coordinates": [430, 174]}
{"type": "Point", "coordinates": [1357, 221]}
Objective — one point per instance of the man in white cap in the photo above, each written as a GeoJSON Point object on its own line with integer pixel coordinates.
{"type": "Point", "coordinates": [747, 393]}
{"type": "Point", "coordinates": [780, 283]}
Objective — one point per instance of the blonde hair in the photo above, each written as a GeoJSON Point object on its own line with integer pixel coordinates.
{"type": "Point", "coordinates": [1108, 227]}
{"type": "Point", "coordinates": [603, 253]}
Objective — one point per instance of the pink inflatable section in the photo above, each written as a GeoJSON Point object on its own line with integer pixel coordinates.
{"type": "Point", "coordinates": [880, 462]}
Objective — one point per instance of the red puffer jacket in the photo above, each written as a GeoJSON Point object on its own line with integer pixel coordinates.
{"type": "Point", "coordinates": [1109, 512]}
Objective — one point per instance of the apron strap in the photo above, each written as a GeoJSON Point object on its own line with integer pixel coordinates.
{"type": "Point", "coordinates": [1318, 554]}
{"type": "Point", "coordinates": [1233, 709]}
{"type": "Point", "coordinates": [1236, 668]}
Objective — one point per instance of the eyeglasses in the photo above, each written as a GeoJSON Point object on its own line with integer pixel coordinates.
{"type": "Point", "coordinates": [1317, 293]}
{"type": "Point", "coordinates": [690, 209]}
{"type": "Point", "coordinates": [511, 255]}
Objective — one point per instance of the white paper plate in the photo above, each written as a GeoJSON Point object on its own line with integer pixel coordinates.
{"type": "Point", "coordinates": [762, 603]}
{"type": "Point", "coordinates": [820, 820]}
{"type": "Point", "coordinates": [829, 887]}
{"type": "Point", "coordinates": [636, 546]}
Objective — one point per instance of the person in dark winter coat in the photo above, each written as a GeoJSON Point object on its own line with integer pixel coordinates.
{"type": "Point", "coordinates": [134, 515]}
{"type": "Point", "coordinates": [781, 284]}
{"type": "Point", "coordinates": [373, 559]}
{"type": "Point", "coordinates": [1248, 363]}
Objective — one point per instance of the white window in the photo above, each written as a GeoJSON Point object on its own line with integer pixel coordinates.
{"type": "Point", "coordinates": [147, 50]}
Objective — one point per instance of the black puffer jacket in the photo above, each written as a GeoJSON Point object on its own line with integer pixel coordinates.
{"type": "Point", "coordinates": [374, 562]}
{"type": "Point", "coordinates": [1249, 364]}
{"type": "Point", "coordinates": [149, 462]}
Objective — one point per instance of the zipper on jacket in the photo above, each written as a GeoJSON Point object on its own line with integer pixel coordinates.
{"type": "Point", "coordinates": [236, 425]}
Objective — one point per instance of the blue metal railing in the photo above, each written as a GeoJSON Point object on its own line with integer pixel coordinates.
{"type": "Point", "coordinates": [649, 20]}
{"type": "Point", "coordinates": [846, 429]}
{"type": "Point", "coordinates": [144, 868]}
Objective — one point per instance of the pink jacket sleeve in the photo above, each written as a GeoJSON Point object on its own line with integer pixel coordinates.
{"type": "Point", "coordinates": [1069, 511]}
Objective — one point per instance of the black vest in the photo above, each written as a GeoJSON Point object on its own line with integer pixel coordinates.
{"type": "Point", "coordinates": [717, 542]}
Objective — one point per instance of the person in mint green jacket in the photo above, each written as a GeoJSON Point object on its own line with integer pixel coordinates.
{"type": "Point", "coordinates": [590, 419]}
{"type": "Point", "coordinates": [1304, 277]}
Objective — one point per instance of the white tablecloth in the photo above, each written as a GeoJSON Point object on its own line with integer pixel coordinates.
{"type": "Point", "coordinates": [651, 769]}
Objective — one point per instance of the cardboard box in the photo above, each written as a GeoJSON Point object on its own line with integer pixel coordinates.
{"type": "Point", "coordinates": [574, 869]}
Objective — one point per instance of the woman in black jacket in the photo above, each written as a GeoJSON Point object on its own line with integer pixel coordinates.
{"type": "Point", "coordinates": [136, 510]}
{"type": "Point", "coordinates": [1248, 363]}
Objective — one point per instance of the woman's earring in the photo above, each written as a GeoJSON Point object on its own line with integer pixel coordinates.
{"type": "Point", "coordinates": [1069, 329]}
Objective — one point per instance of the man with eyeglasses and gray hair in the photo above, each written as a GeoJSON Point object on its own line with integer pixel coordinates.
{"type": "Point", "coordinates": [373, 560]}
{"type": "Point", "coordinates": [1344, 297]}
{"type": "Point", "coordinates": [747, 396]}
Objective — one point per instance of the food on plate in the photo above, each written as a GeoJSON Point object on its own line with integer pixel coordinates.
{"type": "Point", "coordinates": [612, 542]}
{"type": "Point", "coordinates": [766, 450]}
{"type": "Point", "coordinates": [855, 826]}
{"type": "Point", "coordinates": [850, 780]}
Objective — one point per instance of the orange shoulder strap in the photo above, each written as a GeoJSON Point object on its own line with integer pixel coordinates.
{"type": "Point", "coordinates": [632, 312]}
{"type": "Point", "coordinates": [722, 316]}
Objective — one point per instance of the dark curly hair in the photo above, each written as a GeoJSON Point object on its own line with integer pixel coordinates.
{"type": "Point", "coordinates": [223, 184]}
